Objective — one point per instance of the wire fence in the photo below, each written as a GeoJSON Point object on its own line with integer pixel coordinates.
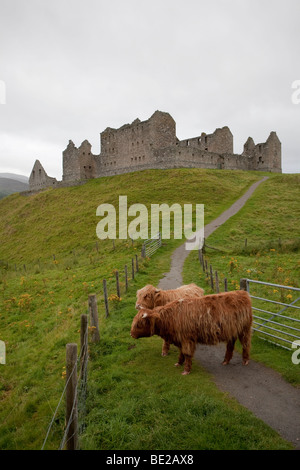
{"type": "Point", "coordinates": [75, 389]}
{"type": "Point", "coordinates": [78, 393]}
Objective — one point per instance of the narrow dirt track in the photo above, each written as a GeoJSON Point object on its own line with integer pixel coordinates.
{"type": "Point", "coordinates": [258, 388]}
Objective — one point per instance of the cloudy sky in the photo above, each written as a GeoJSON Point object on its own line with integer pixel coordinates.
{"type": "Point", "coordinates": [71, 68]}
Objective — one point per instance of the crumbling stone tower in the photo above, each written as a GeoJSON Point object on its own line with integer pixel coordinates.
{"type": "Point", "coordinates": [265, 156]}
{"type": "Point", "coordinates": [79, 163]}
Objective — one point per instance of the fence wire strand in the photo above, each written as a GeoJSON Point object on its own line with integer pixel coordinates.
{"type": "Point", "coordinates": [84, 347]}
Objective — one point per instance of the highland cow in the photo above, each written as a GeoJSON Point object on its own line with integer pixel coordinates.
{"type": "Point", "coordinates": [210, 319]}
{"type": "Point", "coordinates": [151, 297]}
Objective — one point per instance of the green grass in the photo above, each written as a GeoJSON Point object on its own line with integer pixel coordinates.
{"type": "Point", "coordinates": [270, 223]}
{"type": "Point", "coordinates": [137, 400]}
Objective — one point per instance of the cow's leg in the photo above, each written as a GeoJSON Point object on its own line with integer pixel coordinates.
{"type": "Point", "coordinates": [229, 351]}
{"type": "Point", "coordinates": [181, 359]}
{"type": "Point", "coordinates": [188, 350]}
{"type": "Point", "coordinates": [245, 339]}
{"type": "Point", "coordinates": [165, 348]}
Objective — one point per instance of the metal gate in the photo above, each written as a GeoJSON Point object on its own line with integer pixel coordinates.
{"type": "Point", "coordinates": [151, 245]}
{"type": "Point", "coordinates": [272, 322]}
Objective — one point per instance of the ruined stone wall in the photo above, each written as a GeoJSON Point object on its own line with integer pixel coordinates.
{"type": "Point", "coordinates": [153, 144]}
{"type": "Point", "coordinates": [220, 141]}
{"type": "Point", "coordinates": [133, 144]}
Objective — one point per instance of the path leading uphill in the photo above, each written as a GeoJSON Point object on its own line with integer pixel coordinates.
{"type": "Point", "coordinates": [259, 388]}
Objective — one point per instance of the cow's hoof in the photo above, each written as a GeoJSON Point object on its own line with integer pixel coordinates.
{"type": "Point", "coordinates": [185, 373]}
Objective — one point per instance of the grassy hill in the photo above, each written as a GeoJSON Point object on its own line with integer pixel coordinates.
{"type": "Point", "coordinates": [9, 186]}
{"type": "Point", "coordinates": [49, 264]}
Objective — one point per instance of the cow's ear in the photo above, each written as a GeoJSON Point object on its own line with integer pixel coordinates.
{"type": "Point", "coordinates": [145, 315]}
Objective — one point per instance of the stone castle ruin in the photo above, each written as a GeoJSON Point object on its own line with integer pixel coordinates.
{"type": "Point", "coordinates": [153, 144]}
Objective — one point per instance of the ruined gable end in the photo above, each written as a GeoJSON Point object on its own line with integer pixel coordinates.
{"type": "Point", "coordinates": [39, 179]}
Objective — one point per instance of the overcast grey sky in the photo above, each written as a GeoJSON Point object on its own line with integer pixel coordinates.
{"type": "Point", "coordinates": [71, 68]}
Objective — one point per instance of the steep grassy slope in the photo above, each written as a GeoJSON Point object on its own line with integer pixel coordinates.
{"type": "Point", "coordinates": [40, 312]}
{"type": "Point", "coordinates": [61, 220]}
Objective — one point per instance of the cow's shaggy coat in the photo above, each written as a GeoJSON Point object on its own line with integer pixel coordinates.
{"type": "Point", "coordinates": [208, 320]}
{"type": "Point", "coordinates": [151, 297]}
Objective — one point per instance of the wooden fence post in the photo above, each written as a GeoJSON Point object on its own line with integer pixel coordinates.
{"type": "Point", "coordinates": [217, 283]}
{"type": "Point", "coordinates": [137, 263]}
{"type": "Point", "coordinates": [132, 268]}
{"type": "Point", "coordinates": [105, 298]}
{"type": "Point", "coordinates": [225, 285]}
{"type": "Point", "coordinates": [243, 284]}
{"type": "Point", "coordinates": [83, 343]}
{"type": "Point", "coordinates": [200, 255]}
{"type": "Point", "coordinates": [126, 278]}
{"type": "Point", "coordinates": [143, 254]}
{"type": "Point", "coordinates": [202, 259]}
{"type": "Point", "coordinates": [211, 277]}
{"type": "Point", "coordinates": [118, 284]}
{"type": "Point", "coordinates": [71, 396]}
{"type": "Point", "coordinates": [94, 318]}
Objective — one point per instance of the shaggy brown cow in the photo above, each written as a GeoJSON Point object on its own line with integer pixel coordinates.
{"type": "Point", "coordinates": [210, 319]}
{"type": "Point", "coordinates": [151, 297]}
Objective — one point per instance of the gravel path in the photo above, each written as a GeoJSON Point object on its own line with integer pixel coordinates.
{"type": "Point", "coordinates": [258, 388]}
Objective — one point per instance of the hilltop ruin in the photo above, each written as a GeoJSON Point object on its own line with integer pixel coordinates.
{"type": "Point", "coordinates": [153, 144]}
